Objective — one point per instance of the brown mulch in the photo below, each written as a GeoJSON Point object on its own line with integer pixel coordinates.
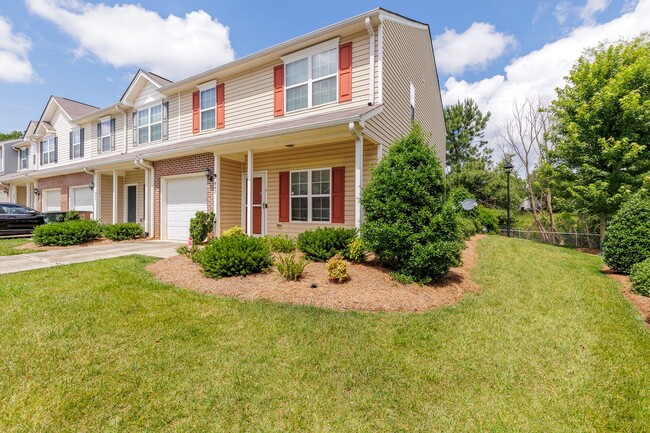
{"type": "Point", "coordinates": [94, 243]}
{"type": "Point", "coordinates": [642, 303]}
{"type": "Point", "coordinates": [370, 288]}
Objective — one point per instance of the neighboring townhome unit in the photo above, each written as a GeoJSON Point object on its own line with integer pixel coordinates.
{"type": "Point", "coordinates": [279, 141]}
{"type": "Point", "coordinates": [9, 165]}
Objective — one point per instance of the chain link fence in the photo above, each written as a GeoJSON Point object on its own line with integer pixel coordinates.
{"type": "Point", "coordinates": [573, 240]}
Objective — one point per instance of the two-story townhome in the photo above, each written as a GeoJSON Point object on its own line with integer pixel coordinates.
{"type": "Point", "coordinates": [278, 141]}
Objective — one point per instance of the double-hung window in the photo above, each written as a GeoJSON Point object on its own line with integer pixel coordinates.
{"type": "Point", "coordinates": [105, 135]}
{"type": "Point", "coordinates": [76, 143]}
{"type": "Point", "coordinates": [311, 76]}
{"type": "Point", "coordinates": [48, 151]}
{"type": "Point", "coordinates": [24, 158]}
{"type": "Point", "coordinates": [150, 124]}
{"type": "Point", "coordinates": [311, 195]}
{"type": "Point", "coordinates": [208, 108]}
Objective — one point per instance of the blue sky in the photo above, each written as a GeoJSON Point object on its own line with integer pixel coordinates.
{"type": "Point", "coordinates": [493, 51]}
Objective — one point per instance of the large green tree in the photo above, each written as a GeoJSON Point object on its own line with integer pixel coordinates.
{"type": "Point", "coordinates": [10, 136]}
{"type": "Point", "coordinates": [466, 134]}
{"type": "Point", "coordinates": [602, 127]}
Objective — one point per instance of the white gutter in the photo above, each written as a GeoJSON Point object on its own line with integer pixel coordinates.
{"type": "Point", "coordinates": [380, 61]}
{"type": "Point", "coordinates": [148, 194]}
{"type": "Point", "coordinates": [371, 32]}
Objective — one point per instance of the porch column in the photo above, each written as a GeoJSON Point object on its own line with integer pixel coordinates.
{"type": "Point", "coordinates": [114, 196]}
{"type": "Point", "coordinates": [29, 195]}
{"type": "Point", "coordinates": [217, 194]}
{"type": "Point", "coordinates": [249, 194]}
{"type": "Point", "coordinates": [97, 179]}
{"type": "Point", "coordinates": [358, 178]}
{"type": "Point", "coordinates": [13, 193]}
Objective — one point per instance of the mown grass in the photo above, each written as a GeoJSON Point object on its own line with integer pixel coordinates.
{"type": "Point", "coordinates": [548, 345]}
{"type": "Point", "coordinates": [8, 247]}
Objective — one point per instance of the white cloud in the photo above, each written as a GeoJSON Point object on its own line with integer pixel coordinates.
{"type": "Point", "coordinates": [127, 35]}
{"type": "Point", "coordinates": [562, 12]}
{"type": "Point", "coordinates": [538, 73]}
{"type": "Point", "coordinates": [16, 67]}
{"type": "Point", "coordinates": [475, 47]}
{"type": "Point", "coordinates": [591, 8]}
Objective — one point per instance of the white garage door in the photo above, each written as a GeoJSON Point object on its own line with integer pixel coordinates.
{"type": "Point", "coordinates": [81, 199]}
{"type": "Point", "coordinates": [185, 196]}
{"type": "Point", "coordinates": [52, 200]}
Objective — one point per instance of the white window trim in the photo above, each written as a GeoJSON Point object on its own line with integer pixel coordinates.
{"type": "Point", "coordinates": [101, 138]}
{"type": "Point", "coordinates": [49, 152]}
{"type": "Point", "coordinates": [76, 131]}
{"type": "Point", "coordinates": [308, 53]}
{"type": "Point", "coordinates": [126, 201]}
{"type": "Point", "coordinates": [20, 158]}
{"type": "Point", "coordinates": [309, 196]}
{"type": "Point", "coordinates": [137, 118]}
{"type": "Point", "coordinates": [203, 87]}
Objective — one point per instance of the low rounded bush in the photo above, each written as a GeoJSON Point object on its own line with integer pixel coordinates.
{"type": "Point", "coordinates": [201, 225]}
{"type": "Point", "coordinates": [640, 278]}
{"type": "Point", "coordinates": [122, 231]}
{"type": "Point", "coordinates": [234, 231]}
{"type": "Point", "coordinates": [627, 240]}
{"type": "Point", "coordinates": [323, 243]}
{"type": "Point", "coordinates": [487, 218]}
{"type": "Point", "coordinates": [230, 256]}
{"type": "Point", "coordinates": [66, 233]}
{"type": "Point", "coordinates": [431, 261]}
{"type": "Point", "coordinates": [355, 252]}
{"type": "Point", "coordinates": [72, 215]}
{"type": "Point", "coordinates": [290, 266]}
{"type": "Point", "coordinates": [280, 243]}
{"type": "Point", "coordinates": [337, 269]}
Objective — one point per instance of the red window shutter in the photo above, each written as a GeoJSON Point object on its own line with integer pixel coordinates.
{"type": "Point", "coordinates": [221, 114]}
{"type": "Point", "coordinates": [196, 113]}
{"type": "Point", "coordinates": [345, 72]}
{"type": "Point", "coordinates": [338, 195]}
{"type": "Point", "coordinates": [284, 196]}
{"type": "Point", "coordinates": [278, 91]}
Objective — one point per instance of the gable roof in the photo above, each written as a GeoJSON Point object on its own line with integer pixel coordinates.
{"type": "Point", "coordinates": [73, 108]}
{"type": "Point", "coordinates": [157, 78]}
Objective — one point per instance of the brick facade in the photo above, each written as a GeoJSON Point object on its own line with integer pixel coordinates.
{"type": "Point", "coordinates": [175, 167]}
{"type": "Point", "coordinates": [63, 182]}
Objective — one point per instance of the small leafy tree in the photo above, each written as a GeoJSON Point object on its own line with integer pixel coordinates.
{"type": "Point", "coordinates": [406, 224]}
{"type": "Point", "coordinates": [201, 225]}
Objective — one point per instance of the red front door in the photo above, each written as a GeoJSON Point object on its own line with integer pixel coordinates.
{"type": "Point", "coordinates": [258, 204]}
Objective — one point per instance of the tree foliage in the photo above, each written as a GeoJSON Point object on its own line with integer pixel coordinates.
{"type": "Point", "coordinates": [407, 223]}
{"type": "Point", "coordinates": [602, 127]}
{"type": "Point", "coordinates": [13, 135]}
{"type": "Point", "coordinates": [466, 134]}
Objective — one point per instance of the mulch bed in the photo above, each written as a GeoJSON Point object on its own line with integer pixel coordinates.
{"type": "Point", "coordinates": [370, 288]}
{"type": "Point", "coordinates": [642, 303]}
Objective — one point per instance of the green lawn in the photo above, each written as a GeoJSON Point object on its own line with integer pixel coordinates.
{"type": "Point", "coordinates": [548, 345]}
{"type": "Point", "coordinates": [8, 246]}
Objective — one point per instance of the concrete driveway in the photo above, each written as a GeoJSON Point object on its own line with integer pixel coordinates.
{"type": "Point", "coordinates": [47, 259]}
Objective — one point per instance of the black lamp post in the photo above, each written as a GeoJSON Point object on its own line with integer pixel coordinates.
{"type": "Point", "coordinates": [508, 168]}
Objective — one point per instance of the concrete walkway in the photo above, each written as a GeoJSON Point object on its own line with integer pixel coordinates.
{"type": "Point", "coordinates": [47, 259]}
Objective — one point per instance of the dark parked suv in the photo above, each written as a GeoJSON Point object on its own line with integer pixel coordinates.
{"type": "Point", "coordinates": [16, 220]}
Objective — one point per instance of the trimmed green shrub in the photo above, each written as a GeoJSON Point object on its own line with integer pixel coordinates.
{"type": "Point", "coordinates": [640, 278]}
{"type": "Point", "coordinates": [467, 226]}
{"type": "Point", "coordinates": [122, 231]}
{"type": "Point", "coordinates": [201, 225]}
{"type": "Point", "coordinates": [67, 233]}
{"type": "Point", "coordinates": [72, 215]}
{"type": "Point", "coordinates": [627, 240]}
{"type": "Point", "coordinates": [290, 266]}
{"type": "Point", "coordinates": [337, 269]}
{"type": "Point", "coordinates": [488, 219]}
{"type": "Point", "coordinates": [230, 256]}
{"type": "Point", "coordinates": [280, 243]}
{"type": "Point", "coordinates": [406, 217]}
{"type": "Point", "coordinates": [193, 254]}
{"type": "Point", "coordinates": [323, 243]}
{"type": "Point", "coordinates": [355, 251]}
{"type": "Point", "coordinates": [234, 231]}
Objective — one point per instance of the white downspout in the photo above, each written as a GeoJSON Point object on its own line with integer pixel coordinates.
{"type": "Point", "coordinates": [380, 61]}
{"type": "Point", "coordinates": [148, 194]}
{"type": "Point", "coordinates": [358, 171]}
{"type": "Point", "coordinates": [371, 32]}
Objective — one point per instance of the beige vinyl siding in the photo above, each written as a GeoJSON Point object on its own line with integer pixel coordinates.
{"type": "Point", "coordinates": [92, 146]}
{"type": "Point", "coordinates": [230, 193]}
{"type": "Point", "coordinates": [62, 127]}
{"type": "Point", "coordinates": [135, 177]}
{"type": "Point", "coordinates": [148, 95]}
{"type": "Point", "coordinates": [305, 158]}
{"type": "Point", "coordinates": [121, 208]}
{"type": "Point", "coordinates": [408, 57]}
{"type": "Point", "coordinates": [249, 96]}
{"type": "Point", "coordinates": [106, 198]}
{"type": "Point", "coordinates": [21, 195]}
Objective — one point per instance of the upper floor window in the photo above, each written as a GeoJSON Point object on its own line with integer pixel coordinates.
{"type": "Point", "coordinates": [310, 195]}
{"type": "Point", "coordinates": [75, 144]}
{"type": "Point", "coordinates": [106, 135]}
{"type": "Point", "coordinates": [48, 151]}
{"type": "Point", "coordinates": [311, 76]}
{"type": "Point", "coordinates": [23, 162]}
{"type": "Point", "coordinates": [150, 124]}
{"type": "Point", "coordinates": [208, 108]}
